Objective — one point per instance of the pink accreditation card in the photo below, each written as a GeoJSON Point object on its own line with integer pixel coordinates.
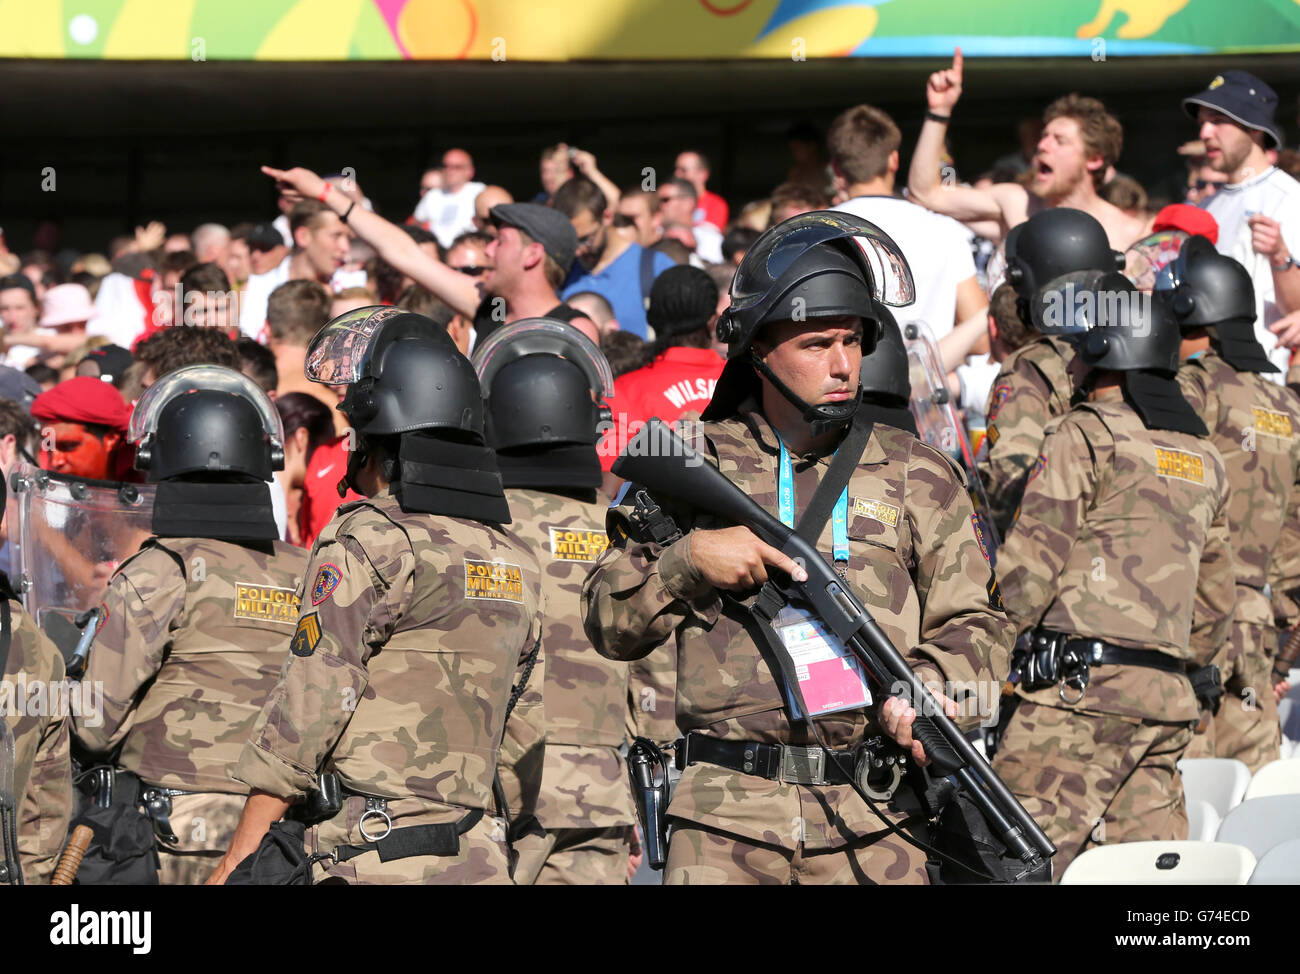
{"type": "Point", "coordinates": [830, 677]}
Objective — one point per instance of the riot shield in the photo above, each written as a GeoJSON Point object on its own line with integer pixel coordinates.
{"type": "Point", "coordinates": [11, 871]}
{"type": "Point", "coordinates": [71, 535]}
{"type": "Point", "coordinates": [938, 423]}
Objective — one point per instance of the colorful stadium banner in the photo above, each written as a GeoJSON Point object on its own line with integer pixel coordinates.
{"type": "Point", "coordinates": [654, 30]}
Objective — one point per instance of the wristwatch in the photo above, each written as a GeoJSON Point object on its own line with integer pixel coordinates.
{"type": "Point", "coordinates": [1286, 265]}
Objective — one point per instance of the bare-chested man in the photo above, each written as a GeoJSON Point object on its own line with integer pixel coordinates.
{"type": "Point", "coordinates": [1080, 143]}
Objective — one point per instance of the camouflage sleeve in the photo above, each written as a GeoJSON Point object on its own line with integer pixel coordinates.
{"type": "Point", "coordinates": [45, 809]}
{"type": "Point", "coordinates": [1057, 495]}
{"type": "Point", "coordinates": [141, 601]}
{"type": "Point", "coordinates": [524, 743]}
{"type": "Point", "coordinates": [1216, 589]}
{"type": "Point", "coordinates": [964, 633]}
{"type": "Point", "coordinates": [1284, 567]}
{"type": "Point", "coordinates": [639, 592]}
{"type": "Point", "coordinates": [324, 675]}
{"type": "Point", "coordinates": [1015, 434]}
{"type": "Point", "coordinates": [1192, 380]}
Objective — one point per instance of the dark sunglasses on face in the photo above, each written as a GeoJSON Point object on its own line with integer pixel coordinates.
{"type": "Point", "coordinates": [623, 220]}
{"type": "Point", "coordinates": [473, 270]}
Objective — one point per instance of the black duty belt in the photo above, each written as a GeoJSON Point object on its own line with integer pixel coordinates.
{"type": "Point", "coordinates": [789, 763]}
{"type": "Point", "coordinates": [157, 804]}
{"type": "Point", "coordinates": [1098, 652]}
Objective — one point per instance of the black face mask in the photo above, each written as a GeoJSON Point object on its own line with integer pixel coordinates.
{"type": "Point", "coordinates": [223, 511]}
{"type": "Point", "coordinates": [452, 479]}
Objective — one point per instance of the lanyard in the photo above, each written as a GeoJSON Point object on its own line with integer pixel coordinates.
{"type": "Point", "coordinates": [785, 504]}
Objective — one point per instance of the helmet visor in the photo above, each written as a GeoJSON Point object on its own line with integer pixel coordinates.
{"type": "Point", "coordinates": [543, 336]}
{"type": "Point", "coordinates": [192, 378]}
{"type": "Point", "coordinates": [1068, 305]}
{"type": "Point", "coordinates": [783, 244]}
{"type": "Point", "coordinates": [1150, 255]}
{"type": "Point", "coordinates": [338, 353]}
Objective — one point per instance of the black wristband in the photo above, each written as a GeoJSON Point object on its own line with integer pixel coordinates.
{"type": "Point", "coordinates": [936, 117]}
{"type": "Point", "coordinates": [348, 212]}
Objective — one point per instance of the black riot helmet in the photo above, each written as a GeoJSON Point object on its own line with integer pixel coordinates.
{"type": "Point", "coordinates": [206, 419]}
{"type": "Point", "coordinates": [1131, 330]}
{"type": "Point", "coordinates": [1205, 289]}
{"type": "Point", "coordinates": [403, 373]}
{"type": "Point", "coordinates": [545, 384]}
{"type": "Point", "coordinates": [1050, 245]}
{"type": "Point", "coordinates": [885, 371]}
{"type": "Point", "coordinates": [814, 265]}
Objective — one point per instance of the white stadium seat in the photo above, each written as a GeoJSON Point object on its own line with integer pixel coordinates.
{"type": "Point", "coordinates": [1172, 863]}
{"type": "Point", "coordinates": [1220, 781]}
{"type": "Point", "coordinates": [1280, 866]}
{"type": "Point", "coordinates": [1203, 820]}
{"type": "Point", "coordinates": [1262, 823]}
{"type": "Point", "coordinates": [1275, 778]}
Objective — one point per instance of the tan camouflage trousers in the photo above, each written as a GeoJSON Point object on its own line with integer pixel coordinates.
{"type": "Point", "coordinates": [586, 857]}
{"type": "Point", "coordinates": [699, 856]}
{"type": "Point", "coordinates": [1246, 726]}
{"type": "Point", "coordinates": [204, 824]}
{"type": "Point", "coordinates": [1090, 779]}
{"type": "Point", "coordinates": [481, 858]}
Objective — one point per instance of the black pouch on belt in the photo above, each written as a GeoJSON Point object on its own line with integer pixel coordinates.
{"type": "Point", "coordinates": [280, 859]}
{"type": "Point", "coordinates": [124, 851]}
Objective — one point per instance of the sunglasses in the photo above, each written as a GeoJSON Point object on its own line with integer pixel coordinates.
{"type": "Point", "coordinates": [473, 270]}
{"type": "Point", "coordinates": [1207, 183]}
{"type": "Point", "coordinates": [623, 220]}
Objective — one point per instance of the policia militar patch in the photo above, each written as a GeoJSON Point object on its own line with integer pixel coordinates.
{"type": "Point", "coordinates": [307, 636]}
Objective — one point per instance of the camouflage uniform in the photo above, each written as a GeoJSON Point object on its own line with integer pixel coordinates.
{"type": "Point", "coordinates": [586, 806]}
{"type": "Point", "coordinates": [1252, 423]}
{"type": "Point", "coordinates": [398, 679]}
{"type": "Point", "coordinates": [187, 656]}
{"type": "Point", "coordinates": [42, 773]}
{"type": "Point", "coordinates": [910, 529]}
{"type": "Point", "coordinates": [1032, 387]}
{"type": "Point", "coordinates": [1115, 523]}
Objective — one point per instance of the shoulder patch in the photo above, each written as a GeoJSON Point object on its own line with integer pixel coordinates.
{"type": "Point", "coordinates": [307, 636]}
{"type": "Point", "coordinates": [1270, 422]}
{"type": "Point", "coordinates": [1180, 465]}
{"type": "Point", "coordinates": [570, 545]}
{"type": "Point", "coordinates": [1000, 394]}
{"type": "Point", "coordinates": [265, 602]}
{"type": "Point", "coordinates": [1039, 465]}
{"type": "Point", "coordinates": [327, 580]}
{"type": "Point", "coordinates": [876, 510]}
{"type": "Point", "coordinates": [497, 581]}
{"type": "Point", "coordinates": [992, 435]}
{"type": "Point", "coordinates": [979, 535]}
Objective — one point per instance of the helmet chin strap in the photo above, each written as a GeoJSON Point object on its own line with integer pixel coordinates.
{"type": "Point", "coordinates": [822, 418]}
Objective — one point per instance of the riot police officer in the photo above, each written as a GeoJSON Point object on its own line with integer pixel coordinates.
{"type": "Point", "coordinates": [545, 384]}
{"type": "Point", "coordinates": [196, 623]}
{"type": "Point", "coordinates": [1043, 254]}
{"type": "Point", "coordinates": [1118, 570]}
{"type": "Point", "coordinates": [1253, 423]}
{"type": "Point", "coordinates": [754, 804]}
{"type": "Point", "coordinates": [419, 615]}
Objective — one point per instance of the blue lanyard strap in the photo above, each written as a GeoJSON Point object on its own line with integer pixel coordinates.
{"type": "Point", "coordinates": [785, 504]}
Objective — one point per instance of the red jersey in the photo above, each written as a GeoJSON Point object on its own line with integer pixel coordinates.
{"type": "Point", "coordinates": [320, 496]}
{"type": "Point", "coordinates": [712, 208]}
{"type": "Point", "coordinates": [679, 381]}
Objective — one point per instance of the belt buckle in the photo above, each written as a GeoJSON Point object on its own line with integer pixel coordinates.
{"type": "Point", "coordinates": [803, 765]}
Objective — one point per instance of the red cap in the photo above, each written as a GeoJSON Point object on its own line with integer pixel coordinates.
{"type": "Point", "coordinates": [1191, 219]}
{"type": "Point", "coordinates": [83, 400]}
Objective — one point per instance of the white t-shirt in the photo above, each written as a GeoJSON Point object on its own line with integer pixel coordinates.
{"type": "Point", "coordinates": [252, 302]}
{"type": "Point", "coordinates": [1272, 193]}
{"type": "Point", "coordinates": [708, 243]}
{"type": "Point", "coordinates": [936, 249]}
{"type": "Point", "coordinates": [448, 215]}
